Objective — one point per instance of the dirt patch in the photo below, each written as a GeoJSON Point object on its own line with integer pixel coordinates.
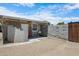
{"type": "Point", "coordinates": [46, 46]}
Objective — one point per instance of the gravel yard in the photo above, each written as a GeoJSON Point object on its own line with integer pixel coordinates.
{"type": "Point", "coordinates": [50, 46]}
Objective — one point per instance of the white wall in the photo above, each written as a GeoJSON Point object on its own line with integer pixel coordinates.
{"type": "Point", "coordinates": [58, 31]}
{"type": "Point", "coordinates": [21, 35]}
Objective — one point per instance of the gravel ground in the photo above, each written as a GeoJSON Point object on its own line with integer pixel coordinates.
{"type": "Point", "coordinates": [50, 46]}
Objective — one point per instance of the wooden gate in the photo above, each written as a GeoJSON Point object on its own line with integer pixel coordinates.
{"type": "Point", "coordinates": [73, 34]}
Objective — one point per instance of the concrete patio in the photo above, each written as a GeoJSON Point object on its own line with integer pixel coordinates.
{"type": "Point", "coordinates": [48, 46]}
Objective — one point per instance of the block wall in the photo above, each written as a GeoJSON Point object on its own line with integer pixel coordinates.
{"type": "Point", "coordinates": [58, 31]}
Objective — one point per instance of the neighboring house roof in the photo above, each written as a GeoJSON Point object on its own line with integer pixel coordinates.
{"type": "Point", "coordinates": [19, 18]}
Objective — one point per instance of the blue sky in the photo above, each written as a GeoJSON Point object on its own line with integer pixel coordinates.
{"type": "Point", "coordinates": [52, 12]}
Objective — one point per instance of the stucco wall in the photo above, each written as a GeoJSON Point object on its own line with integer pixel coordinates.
{"type": "Point", "coordinates": [11, 33]}
{"type": "Point", "coordinates": [4, 31]}
{"type": "Point", "coordinates": [1, 35]}
{"type": "Point", "coordinates": [1, 39]}
{"type": "Point", "coordinates": [58, 31]}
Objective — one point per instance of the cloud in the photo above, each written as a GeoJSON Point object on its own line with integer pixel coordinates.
{"type": "Point", "coordinates": [24, 4]}
{"type": "Point", "coordinates": [71, 18]}
{"type": "Point", "coordinates": [16, 4]}
{"type": "Point", "coordinates": [42, 14]}
{"type": "Point", "coordinates": [71, 6]}
{"type": "Point", "coordinates": [5, 11]}
{"type": "Point", "coordinates": [27, 4]}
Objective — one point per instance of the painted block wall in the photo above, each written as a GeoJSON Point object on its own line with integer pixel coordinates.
{"type": "Point", "coordinates": [21, 35]}
{"type": "Point", "coordinates": [18, 34]}
{"type": "Point", "coordinates": [58, 31]}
